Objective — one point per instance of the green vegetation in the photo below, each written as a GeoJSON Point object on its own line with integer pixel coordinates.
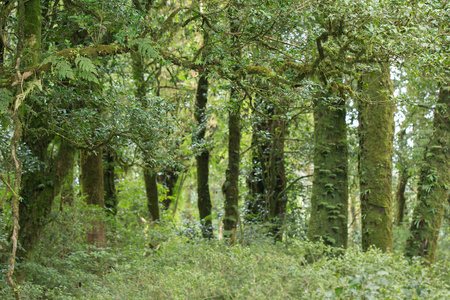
{"type": "Point", "coordinates": [204, 149]}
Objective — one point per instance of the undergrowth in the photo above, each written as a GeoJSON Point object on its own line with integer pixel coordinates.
{"type": "Point", "coordinates": [169, 262]}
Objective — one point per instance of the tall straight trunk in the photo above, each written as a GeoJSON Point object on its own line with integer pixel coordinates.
{"type": "Point", "coordinates": [202, 158]}
{"type": "Point", "coordinates": [400, 198]}
{"type": "Point", "coordinates": [376, 132]}
{"type": "Point", "coordinates": [434, 185]}
{"type": "Point", "coordinates": [150, 176]}
{"type": "Point", "coordinates": [329, 200]}
{"type": "Point", "coordinates": [91, 181]}
{"type": "Point", "coordinates": [109, 184]}
{"type": "Point", "coordinates": [255, 207]}
{"type": "Point", "coordinates": [230, 187]}
{"type": "Point", "coordinates": [276, 177]}
{"type": "Point", "coordinates": [151, 187]}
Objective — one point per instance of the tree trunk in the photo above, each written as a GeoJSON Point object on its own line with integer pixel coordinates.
{"type": "Point", "coordinates": [91, 180]}
{"type": "Point", "coordinates": [255, 207]}
{"type": "Point", "coordinates": [32, 33]}
{"type": "Point", "coordinates": [39, 189]}
{"type": "Point", "coordinates": [109, 183]}
{"type": "Point", "coordinates": [400, 198]}
{"type": "Point", "coordinates": [151, 187]}
{"type": "Point", "coordinates": [202, 158]}
{"type": "Point", "coordinates": [433, 186]}
{"type": "Point", "coordinates": [329, 200]}
{"type": "Point", "coordinates": [267, 201]}
{"type": "Point", "coordinates": [67, 189]}
{"type": "Point", "coordinates": [169, 179]}
{"type": "Point", "coordinates": [376, 128]}
{"type": "Point", "coordinates": [230, 187]}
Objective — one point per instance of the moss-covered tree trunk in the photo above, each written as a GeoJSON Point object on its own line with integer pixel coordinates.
{"type": "Point", "coordinates": [91, 181]}
{"type": "Point", "coordinates": [434, 184]}
{"type": "Point", "coordinates": [276, 177]}
{"type": "Point", "coordinates": [32, 33]}
{"type": "Point", "coordinates": [39, 189]}
{"type": "Point", "coordinates": [376, 132]}
{"type": "Point", "coordinates": [151, 188]}
{"type": "Point", "coordinates": [202, 158]}
{"type": "Point", "coordinates": [230, 187]}
{"type": "Point", "coordinates": [109, 182]}
{"type": "Point", "coordinates": [329, 200]}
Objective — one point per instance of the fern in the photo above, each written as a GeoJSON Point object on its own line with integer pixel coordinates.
{"type": "Point", "coordinates": [145, 48]}
{"type": "Point", "coordinates": [64, 69]}
{"type": "Point", "coordinates": [86, 69]}
{"type": "Point", "coordinates": [85, 64]}
{"type": "Point", "coordinates": [5, 98]}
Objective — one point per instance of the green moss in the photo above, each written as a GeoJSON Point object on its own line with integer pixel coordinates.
{"type": "Point", "coordinates": [32, 32]}
{"type": "Point", "coordinates": [329, 200]}
{"type": "Point", "coordinates": [376, 132]}
{"type": "Point", "coordinates": [434, 184]}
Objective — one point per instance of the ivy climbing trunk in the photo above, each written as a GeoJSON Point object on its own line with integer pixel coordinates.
{"type": "Point", "coordinates": [202, 158]}
{"type": "Point", "coordinates": [151, 187]}
{"type": "Point", "coordinates": [91, 181]}
{"type": "Point", "coordinates": [109, 184]}
{"type": "Point", "coordinates": [329, 200]}
{"type": "Point", "coordinates": [376, 132]}
{"type": "Point", "coordinates": [434, 183]}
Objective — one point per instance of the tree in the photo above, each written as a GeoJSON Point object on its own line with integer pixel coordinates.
{"type": "Point", "coordinates": [202, 158]}
{"type": "Point", "coordinates": [433, 186]}
{"type": "Point", "coordinates": [376, 132]}
{"type": "Point", "coordinates": [329, 200]}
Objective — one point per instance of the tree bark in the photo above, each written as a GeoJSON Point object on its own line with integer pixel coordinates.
{"type": "Point", "coordinates": [151, 187]}
{"type": "Point", "coordinates": [433, 186]}
{"type": "Point", "coordinates": [39, 189]}
{"type": "Point", "coordinates": [376, 132]}
{"type": "Point", "coordinates": [329, 200]}
{"type": "Point", "coordinates": [109, 184]}
{"type": "Point", "coordinates": [202, 158]}
{"type": "Point", "coordinates": [91, 180]}
{"type": "Point", "coordinates": [230, 187]}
